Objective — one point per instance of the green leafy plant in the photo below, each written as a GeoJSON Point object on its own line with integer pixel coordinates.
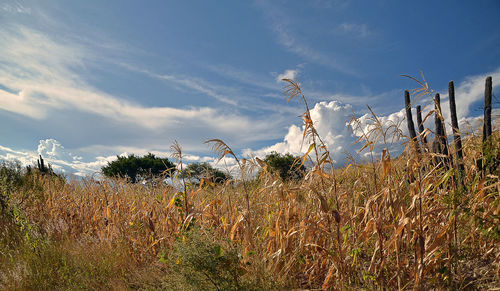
{"type": "Point", "coordinates": [200, 261]}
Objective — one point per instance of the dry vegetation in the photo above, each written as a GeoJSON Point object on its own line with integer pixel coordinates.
{"type": "Point", "coordinates": [402, 223]}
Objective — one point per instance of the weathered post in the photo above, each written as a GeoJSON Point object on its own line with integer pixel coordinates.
{"type": "Point", "coordinates": [487, 109]}
{"type": "Point", "coordinates": [440, 144]}
{"type": "Point", "coordinates": [409, 121]}
{"type": "Point", "coordinates": [456, 133]}
{"type": "Point", "coordinates": [41, 165]}
{"type": "Point", "coordinates": [487, 130]}
{"type": "Point", "coordinates": [421, 126]}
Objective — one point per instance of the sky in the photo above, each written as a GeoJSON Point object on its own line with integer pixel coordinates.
{"type": "Point", "coordinates": [84, 81]}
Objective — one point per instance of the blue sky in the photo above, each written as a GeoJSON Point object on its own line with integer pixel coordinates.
{"type": "Point", "coordinates": [84, 81]}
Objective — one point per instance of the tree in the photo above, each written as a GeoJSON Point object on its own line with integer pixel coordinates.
{"type": "Point", "coordinates": [198, 171]}
{"type": "Point", "coordinates": [286, 165]}
{"type": "Point", "coordinates": [136, 168]}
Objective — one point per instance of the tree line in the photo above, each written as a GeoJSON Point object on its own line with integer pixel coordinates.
{"type": "Point", "coordinates": [148, 167]}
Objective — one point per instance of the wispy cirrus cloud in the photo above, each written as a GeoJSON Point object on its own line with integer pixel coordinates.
{"type": "Point", "coordinates": [250, 98]}
{"type": "Point", "coordinates": [15, 8]}
{"type": "Point", "coordinates": [195, 84]}
{"type": "Point", "coordinates": [243, 76]}
{"type": "Point", "coordinates": [281, 25]}
{"type": "Point", "coordinates": [41, 79]}
{"type": "Point", "coordinates": [40, 76]}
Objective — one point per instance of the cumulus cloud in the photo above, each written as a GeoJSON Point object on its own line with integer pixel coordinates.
{"type": "Point", "coordinates": [389, 123]}
{"type": "Point", "coordinates": [331, 120]}
{"type": "Point", "coordinates": [52, 148]}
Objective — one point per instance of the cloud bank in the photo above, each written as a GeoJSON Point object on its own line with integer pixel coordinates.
{"type": "Point", "coordinates": [69, 163]}
{"type": "Point", "coordinates": [61, 160]}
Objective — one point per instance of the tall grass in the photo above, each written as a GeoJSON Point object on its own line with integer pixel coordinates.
{"type": "Point", "coordinates": [393, 223]}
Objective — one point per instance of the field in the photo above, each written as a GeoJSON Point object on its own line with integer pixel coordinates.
{"type": "Point", "coordinates": [402, 223]}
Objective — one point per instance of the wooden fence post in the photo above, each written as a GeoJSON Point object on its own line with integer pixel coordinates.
{"type": "Point", "coordinates": [440, 144]}
{"type": "Point", "coordinates": [456, 133]}
{"type": "Point", "coordinates": [421, 126]}
{"type": "Point", "coordinates": [487, 109]}
{"type": "Point", "coordinates": [487, 130]}
{"type": "Point", "coordinates": [409, 121]}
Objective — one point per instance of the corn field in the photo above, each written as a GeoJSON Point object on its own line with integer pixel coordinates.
{"type": "Point", "coordinates": [392, 223]}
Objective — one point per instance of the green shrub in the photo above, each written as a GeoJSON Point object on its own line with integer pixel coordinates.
{"type": "Point", "coordinates": [199, 261]}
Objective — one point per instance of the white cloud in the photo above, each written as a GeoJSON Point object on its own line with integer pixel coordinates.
{"type": "Point", "coordinates": [390, 123]}
{"type": "Point", "coordinates": [57, 156]}
{"type": "Point", "coordinates": [227, 163]}
{"type": "Point", "coordinates": [19, 103]}
{"type": "Point", "coordinates": [331, 120]}
{"type": "Point", "coordinates": [25, 158]}
{"type": "Point", "coordinates": [287, 74]}
{"type": "Point", "coordinates": [70, 163]}
{"type": "Point", "coordinates": [53, 149]}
